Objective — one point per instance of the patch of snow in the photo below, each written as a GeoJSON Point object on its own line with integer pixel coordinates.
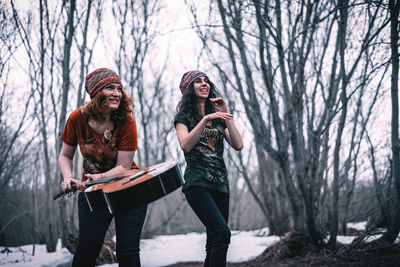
{"type": "Point", "coordinates": [358, 226]}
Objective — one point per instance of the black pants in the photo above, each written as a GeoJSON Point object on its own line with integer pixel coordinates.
{"type": "Point", "coordinates": [92, 230]}
{"type": "Point", "coordinates": [212, 208]}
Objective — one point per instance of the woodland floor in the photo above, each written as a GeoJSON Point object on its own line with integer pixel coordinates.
{"type": "Point", "coordinates": [360, 255]}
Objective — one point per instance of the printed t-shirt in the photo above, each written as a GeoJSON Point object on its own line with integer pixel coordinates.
{"type": "Point", "coordinates": [205, 164]}
{"type": "Point", "coordinates": [99, 153]}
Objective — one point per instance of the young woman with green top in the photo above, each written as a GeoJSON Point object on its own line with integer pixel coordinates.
{"type": "Point", "coordinates": [202, 122]}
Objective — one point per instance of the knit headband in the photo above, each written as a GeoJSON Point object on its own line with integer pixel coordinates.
{"type": "Point", "coordinates": [99, 79]}
{"type": "Point", "coordinates": [188, 78]}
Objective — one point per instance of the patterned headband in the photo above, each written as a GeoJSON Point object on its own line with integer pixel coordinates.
{"type": "Point", "coordinates": [99, 79]}
{"type": "Point", "coordinates": [188, 78]}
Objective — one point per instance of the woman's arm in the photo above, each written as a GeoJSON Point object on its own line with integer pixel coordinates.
{"type": "Point", "coordinates": [187, 140]}
{"type": "Point", "coordinates": [65, 163]}
{"type": "Point", "coordinates": [124, 163]}
{"type": "Point", "coordinates": [233, 136]}
{"type": "Point", "coordinates": [231, 133]}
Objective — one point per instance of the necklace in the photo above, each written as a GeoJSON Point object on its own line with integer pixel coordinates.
{"type": "Point", "coordinates": [107, 134]}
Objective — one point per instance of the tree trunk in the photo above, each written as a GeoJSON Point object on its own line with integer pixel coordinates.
{"type": "Point", "coordinates": [343, 6]}
{"type": "Point", "coordinates": [394, 221]}
{"type": "Point", "coordinates": [69, 33]}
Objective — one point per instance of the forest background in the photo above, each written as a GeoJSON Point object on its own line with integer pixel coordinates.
{"type": "Point", "coordinates": [313, 86]}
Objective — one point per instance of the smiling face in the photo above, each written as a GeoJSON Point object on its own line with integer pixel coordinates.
{"type": "Point", "coordinates": [113, 94]}
{"type": "Point", "coordinates": [201, 87]}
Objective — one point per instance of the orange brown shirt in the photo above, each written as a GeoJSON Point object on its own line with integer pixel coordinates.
{"type": "Point", "coordinates": [99, 153]}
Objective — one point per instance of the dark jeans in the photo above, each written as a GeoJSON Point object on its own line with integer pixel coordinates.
{"type": "Point", "coordinates": [92, 230]}
{"type": "Point", "coordinates": [212, 208]}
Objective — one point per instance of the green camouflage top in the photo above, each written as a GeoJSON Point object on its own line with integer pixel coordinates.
{"type": "Point", "coordinates": [205, 164]}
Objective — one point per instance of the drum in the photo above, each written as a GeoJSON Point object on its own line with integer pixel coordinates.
{"type": "Point", "coordinates": [141, 186]}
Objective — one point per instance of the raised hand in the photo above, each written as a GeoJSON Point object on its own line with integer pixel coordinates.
{"type": "Point", "coordinates": [219, 104]}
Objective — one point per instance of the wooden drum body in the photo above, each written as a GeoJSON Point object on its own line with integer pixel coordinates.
{"type": "Point", "coordinates": [139, 187]}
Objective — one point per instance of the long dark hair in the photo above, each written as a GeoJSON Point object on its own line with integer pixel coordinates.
{"type": "Point", "coordinates": [97, 108]}
{"type": "Point", "coordinates": [188, 106]}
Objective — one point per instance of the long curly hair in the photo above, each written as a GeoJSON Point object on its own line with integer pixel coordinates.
{"type": "Point", "coordinates": [97, 108]}
{"type": "Point", "coordinates": [188, 106]}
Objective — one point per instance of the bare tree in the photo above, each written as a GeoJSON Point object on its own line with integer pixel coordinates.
{"type": "Point", "coordinates": [136, 37]}
{"type": "Point", "coordinates": [343, 17]}
{"type": "Point", "coordinates": [42, 64]}
{"type": "Point", "coordinates": [68, 38]}
{"type": "Point", "coordinates": [294, 74]}
{"type": "Point", "coordinates": [10, 132]}
{"type": "Point", "coordinates": [349, 184]}
{"type": "Point", "coordinates": [135, 60]}
{"type": "Point", "coordinates": [394, 220]}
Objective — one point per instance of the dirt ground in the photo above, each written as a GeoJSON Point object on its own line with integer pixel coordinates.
{"type": "Point", "coordinates": [360, 255]}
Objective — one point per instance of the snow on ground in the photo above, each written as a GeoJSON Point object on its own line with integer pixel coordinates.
{"type": "Point", "coordinates": [361, 226]}
{"type": "Point", "coordinates": [248, 245]}
{"type": "Point", "coordinates": [22, 256]}
{"type": "Point", "coordinates": [348, 239]}
{"type": "Point", "coordinates": [358, 226]}
{"type": "Point", "coordinates": [159, 251]}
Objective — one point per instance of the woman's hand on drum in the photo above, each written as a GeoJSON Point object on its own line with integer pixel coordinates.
{"type": "Point", "coordinates": [95, 176]}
